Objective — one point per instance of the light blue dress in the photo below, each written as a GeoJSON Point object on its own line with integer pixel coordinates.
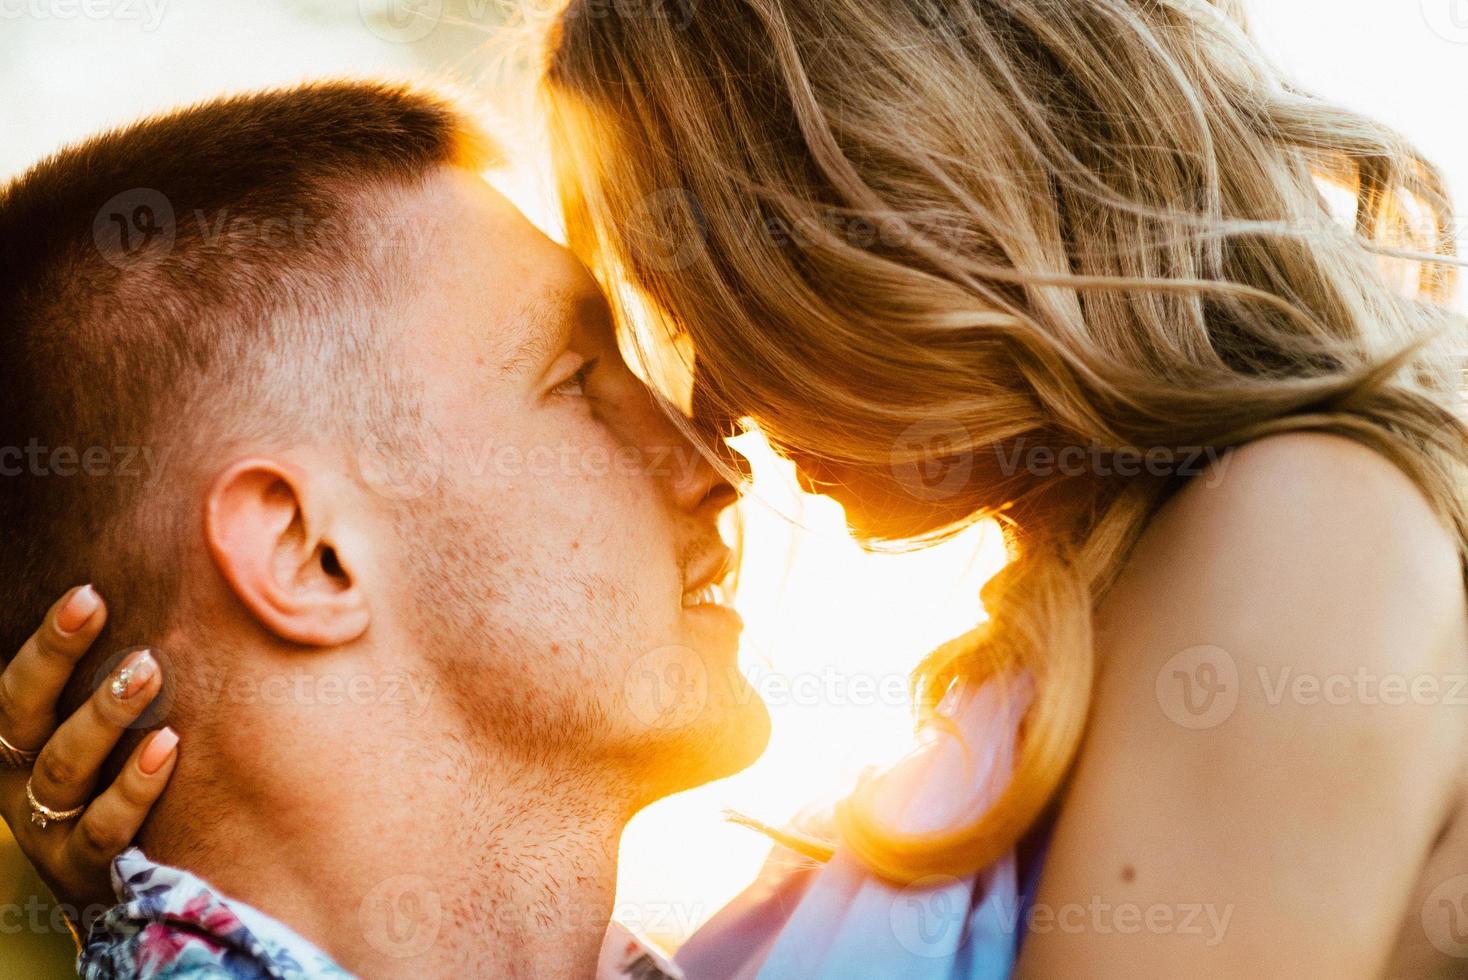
{"type": "Point", "coordinates": [802, 920]}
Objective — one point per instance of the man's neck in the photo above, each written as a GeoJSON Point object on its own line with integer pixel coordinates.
{"type": "Point", "coordinates": [405, 857]}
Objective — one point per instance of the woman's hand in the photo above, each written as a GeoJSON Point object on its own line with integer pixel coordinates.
{"type": "Point", "coordinates": [73, 855]}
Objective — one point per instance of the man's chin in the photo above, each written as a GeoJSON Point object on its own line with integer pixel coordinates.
{"type": "Point", "coordinates": [735, 723]}
{"type": "Point", "coordinates": [696, 716]}
{"type": "Point", "coordinates": [726, 737]}
{"type": "Point", "coordinates": [740, 741]}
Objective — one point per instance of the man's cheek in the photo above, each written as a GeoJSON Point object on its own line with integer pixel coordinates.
{"type": "Point", "coordinates": [630, 513]}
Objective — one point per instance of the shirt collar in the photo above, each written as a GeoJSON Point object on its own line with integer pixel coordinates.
{"type": "Point", "coordinates": [170, 923]}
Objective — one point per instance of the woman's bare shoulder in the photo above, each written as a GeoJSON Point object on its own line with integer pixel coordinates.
{"type": "Point", "coordinates": [1271, 726]}
{"type": "Point", "coordinates": [1295, 528]}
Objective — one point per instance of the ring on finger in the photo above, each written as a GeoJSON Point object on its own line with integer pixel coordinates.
{"type": "Point", "coordinates": [16, 758]}
{"type": "Point", "coordinates": [41, 814]}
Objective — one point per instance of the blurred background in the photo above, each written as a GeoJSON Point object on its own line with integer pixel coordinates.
{"type": "Point", "coordinates": [832, 632]}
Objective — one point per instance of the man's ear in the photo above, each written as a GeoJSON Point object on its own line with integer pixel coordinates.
{"type": "Point", "coordinates": [271, 540]}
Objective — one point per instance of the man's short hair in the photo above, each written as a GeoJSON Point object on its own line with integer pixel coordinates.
{"type": "Point", "coordinates": [176, 283]}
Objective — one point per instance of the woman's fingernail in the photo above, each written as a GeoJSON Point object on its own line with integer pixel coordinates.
{"type": "Point", "coordinates": [139, 669]}
{"type": "Point", "coordinates": [78, 610]}
{"type": "Point", "coordinates": [159, 750]}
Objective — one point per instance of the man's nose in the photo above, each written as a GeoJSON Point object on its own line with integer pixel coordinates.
{"type": "Point", "coordinates": [714, 421]}
{"type": "Point", "coordinates": [698, 486]}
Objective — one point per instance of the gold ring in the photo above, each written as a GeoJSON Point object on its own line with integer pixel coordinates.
{"type": "Point", "coordinates": [14, 758]}
{"type": "Point", "coordinates": [42, 814]}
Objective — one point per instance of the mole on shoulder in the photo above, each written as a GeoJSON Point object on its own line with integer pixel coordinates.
{"type": "Point", "coordinates": [1128, 873]}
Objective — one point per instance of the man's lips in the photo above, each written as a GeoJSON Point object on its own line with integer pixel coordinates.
{"type": "Point", "coordinates": [710, 595]}
{"type": "Point", "coordinates": [722, 616]}
{"type": "Point", "coordinates": [706, 585]}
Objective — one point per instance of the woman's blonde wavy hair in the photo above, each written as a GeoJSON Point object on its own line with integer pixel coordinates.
{"type": "Point", "coordinates": [1024, 224]}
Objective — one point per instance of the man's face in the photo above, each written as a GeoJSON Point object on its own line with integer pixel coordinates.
{"type": "Point", "coordinates": [556, 562]}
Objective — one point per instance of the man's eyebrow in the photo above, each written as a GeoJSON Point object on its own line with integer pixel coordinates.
{"type": "Point", "coordinates": [550, 331]}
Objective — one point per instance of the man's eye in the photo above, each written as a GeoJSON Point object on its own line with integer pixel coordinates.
{"type": "Point", "coordinates": [575, 385]}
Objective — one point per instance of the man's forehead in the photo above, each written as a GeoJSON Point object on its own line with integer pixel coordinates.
{"type": "Point", "coordinates": [497, 274]}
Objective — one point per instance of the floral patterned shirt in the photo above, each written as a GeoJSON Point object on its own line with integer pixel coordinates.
{"type": "Point", "coordinates": [170, 925]}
